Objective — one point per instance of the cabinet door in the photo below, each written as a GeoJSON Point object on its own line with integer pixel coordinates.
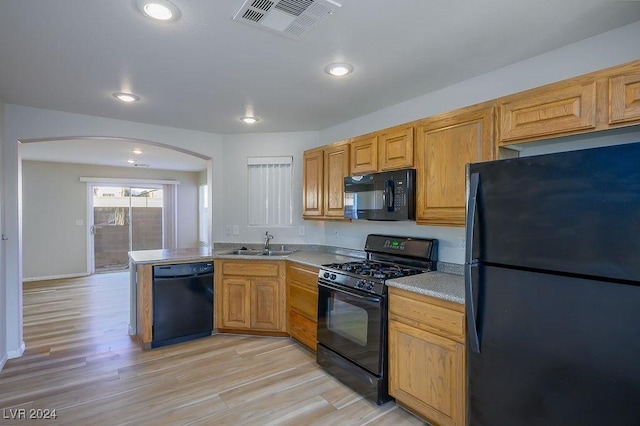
{"type": "Point", "coordinates": [396, 148]}
{"type": "Point", "coordinates": [624, 98]}
{"type": "Point", "coordinates": [548, 112]}
{"type": "Point", "coordinates": [444, 147]}
{"type": "Point", "coordinates": [364, 154]}
{"type": "Point", "coordinates": [236, 303]}
{"type": "Point", "coordinates": [313, 183]}
{"type": "Point", "coordinates": [265, 311]}
{"type": "Point", "coordinates": [427, 374]}
{"type": "Point", "coordinates": [336, 168]}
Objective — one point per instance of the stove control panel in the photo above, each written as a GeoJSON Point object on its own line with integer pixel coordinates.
{"type": "Point", "coordinates": [394, 244]}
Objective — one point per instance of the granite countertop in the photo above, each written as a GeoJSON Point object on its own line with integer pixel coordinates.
{"type": "Point", "coordinates": [439, 284]}
{"type": "Point", "coordinates": [306, 257]}
{"type": "Point", "coordinates": [171, 255]}
{"type": "Point", "coordinates": [436, 284]}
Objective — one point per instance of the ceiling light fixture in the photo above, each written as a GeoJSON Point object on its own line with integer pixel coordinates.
{"type": "Point", "coordinates": [131, 161]}
{"type": "Point", "coordinates": [126, 97]}
{"type": "Point", "coordinates": [137, 151]}
{"type": "Point", "coordinates": [161, 10]}
{"type": "Point", "coordinates": [249, 120]}
{"type": "Point", "coordinates": [338, 69]}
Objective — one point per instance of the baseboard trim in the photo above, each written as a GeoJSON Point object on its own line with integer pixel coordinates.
{"type": "Point", "coordinates": [55, 277]}
{"type": "Point", "coordinates": [17, 353]}
{"type": "Point", "coordinates": [3, 361]}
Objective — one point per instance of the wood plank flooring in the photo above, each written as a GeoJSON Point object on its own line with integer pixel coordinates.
{"type": "Point", "coordinates": [81, 362]}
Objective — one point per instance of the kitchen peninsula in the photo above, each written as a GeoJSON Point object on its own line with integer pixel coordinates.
{"type": "Point", "coordinates": [141, 265]}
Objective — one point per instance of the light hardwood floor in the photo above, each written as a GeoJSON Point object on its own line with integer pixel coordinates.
{"type": "Point", "coordinates": [81, 362]}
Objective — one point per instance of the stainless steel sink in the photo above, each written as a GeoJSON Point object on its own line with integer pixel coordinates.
{"type": "Point", "coordinates": [247, 252]}
{"type": "Point", "coordinates": [251, 252]}
{"type": "Point", "coordinates": [276, 253]}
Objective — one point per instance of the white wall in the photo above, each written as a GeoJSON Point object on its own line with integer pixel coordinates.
{"type": "Point", "coordinates": [603, 51]}
{"type": "Point", "coordinates": [54, 198]}
{"type": "Point", "coordinates": [24, 123]}
{"type": "Point", "coordinates": [236, 150]}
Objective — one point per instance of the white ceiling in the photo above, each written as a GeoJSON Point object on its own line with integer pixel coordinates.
{"type": "Point", "coordinates": [205, 71]}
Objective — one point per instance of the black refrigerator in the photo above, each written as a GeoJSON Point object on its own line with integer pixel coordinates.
{"type": "Point", "coordinates": [552, 279]}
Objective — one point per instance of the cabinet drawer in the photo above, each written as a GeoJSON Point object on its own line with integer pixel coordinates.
{"type": "Point", "coordinates": [304, 301]}
{"type": "Point", "coordinates": [426, 313]}
{"type": "Point", "coordinates": [306, 276]}
{"type": "Point", "coordinates": [303, 330]}
{"type": "Point", "coordinates": [253, 269]}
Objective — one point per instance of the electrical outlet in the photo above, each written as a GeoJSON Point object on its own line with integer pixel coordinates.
{"type": "Point", "coordinates": [462, 242]}
{"type": "Point", "coordinates": [301, 230]}
{"type": "Point", "coordinates": [228, 230]}
{"type": "Point", "coordinates": [236, 230]}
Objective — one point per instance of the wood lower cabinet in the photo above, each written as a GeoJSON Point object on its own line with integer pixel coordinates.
{"type": "Point", "coordinates": [427, 356]}
{"type": "Point", "coordinates": [250, 296]}
{"type": "Point", "coordinates": [445, 145]}
{"type": "Point", "coordinates": [302, 303]}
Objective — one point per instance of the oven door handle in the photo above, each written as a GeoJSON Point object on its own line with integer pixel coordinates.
{"type": "Point", "coordinates": [343, 290]}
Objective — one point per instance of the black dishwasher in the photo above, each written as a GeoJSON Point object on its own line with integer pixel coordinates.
{"type": "Point", "coordinates": [182, 302]}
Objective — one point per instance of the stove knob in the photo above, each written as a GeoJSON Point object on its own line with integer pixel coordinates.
{"type": "Point", "coordinates": [326, 275]}
{"type": "Point", "coordinates": [370, 286]}
{"type": "Point", "coordinates": [333, 276]}
{"type": "Point", "coordinates": [360, 283]}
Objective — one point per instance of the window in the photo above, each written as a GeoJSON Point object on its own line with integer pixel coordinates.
{"type": "Point", "coordinates": [203, 214]}
{"type": "Point", "coordinates": [269, 182]}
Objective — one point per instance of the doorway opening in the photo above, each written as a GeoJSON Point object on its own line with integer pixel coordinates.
{"type": "Point", "coordinates": [124, 218]}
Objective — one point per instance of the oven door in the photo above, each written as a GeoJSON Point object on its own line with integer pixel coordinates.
{"type": "Point", "coordinates": [352, 323]}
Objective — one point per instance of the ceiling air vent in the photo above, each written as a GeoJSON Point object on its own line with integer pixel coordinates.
{"type": "Point", "coordinates": [290, 18]}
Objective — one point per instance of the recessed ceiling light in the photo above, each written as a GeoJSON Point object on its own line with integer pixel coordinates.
{"type": "Point", "coordinates": [137, 151]}
{"type": "Point", "coordinates": [339, 69]}
{"type": "Point", "coordinates": [131, 161]}
{"type": "Point", "coordinates": [126, 97]}
{"type": "Point", "coordinates": [249, 120]}
{"type": "Point", "coordinates": [162, 10]}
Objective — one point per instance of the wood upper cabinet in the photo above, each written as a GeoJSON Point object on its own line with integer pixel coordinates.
{"type": "Point", "coordinates": [324, 170]}
{"type": "Point", "coordinates": [624, 98]}
{"type": "Point", "coordinates": [302, 303]}
{"type": "Point", "coordinates": [395, 147]}
{"type": "Point", "coordinates": [548, 111]}
{"type": "Point", "coordinates": [427, 356]}
{"type": "Point", "coordinates": [336, 168]}
{"type": "Point", "coordinates": [250, 295]}
{"type": "Point", "coordinates": [313, 183]}
{"type": "Point", "coordinates": [389, 149]}
{"type": "Point", "coordinates": [364, 154]}
{"type": "Point", "coordinates": [444, 146]}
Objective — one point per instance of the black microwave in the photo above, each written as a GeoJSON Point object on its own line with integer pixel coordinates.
{"type": "Point", "coordinates": [381, 196]}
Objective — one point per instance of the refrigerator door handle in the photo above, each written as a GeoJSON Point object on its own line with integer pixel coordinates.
{"type": "Point", "coordinates": [474, 339]}
{"type": "Point", "coordinates": [472, 202]}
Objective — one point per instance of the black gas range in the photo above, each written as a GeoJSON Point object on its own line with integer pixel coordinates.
{"type": "Point", "coordinates": [352, 310]}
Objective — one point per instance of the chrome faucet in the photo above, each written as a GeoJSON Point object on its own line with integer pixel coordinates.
{"type": "Point", "coordinates": [267, 238]}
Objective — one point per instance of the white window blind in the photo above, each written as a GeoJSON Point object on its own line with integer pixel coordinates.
{"type": "Point", "coordinates": [269, 184]}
